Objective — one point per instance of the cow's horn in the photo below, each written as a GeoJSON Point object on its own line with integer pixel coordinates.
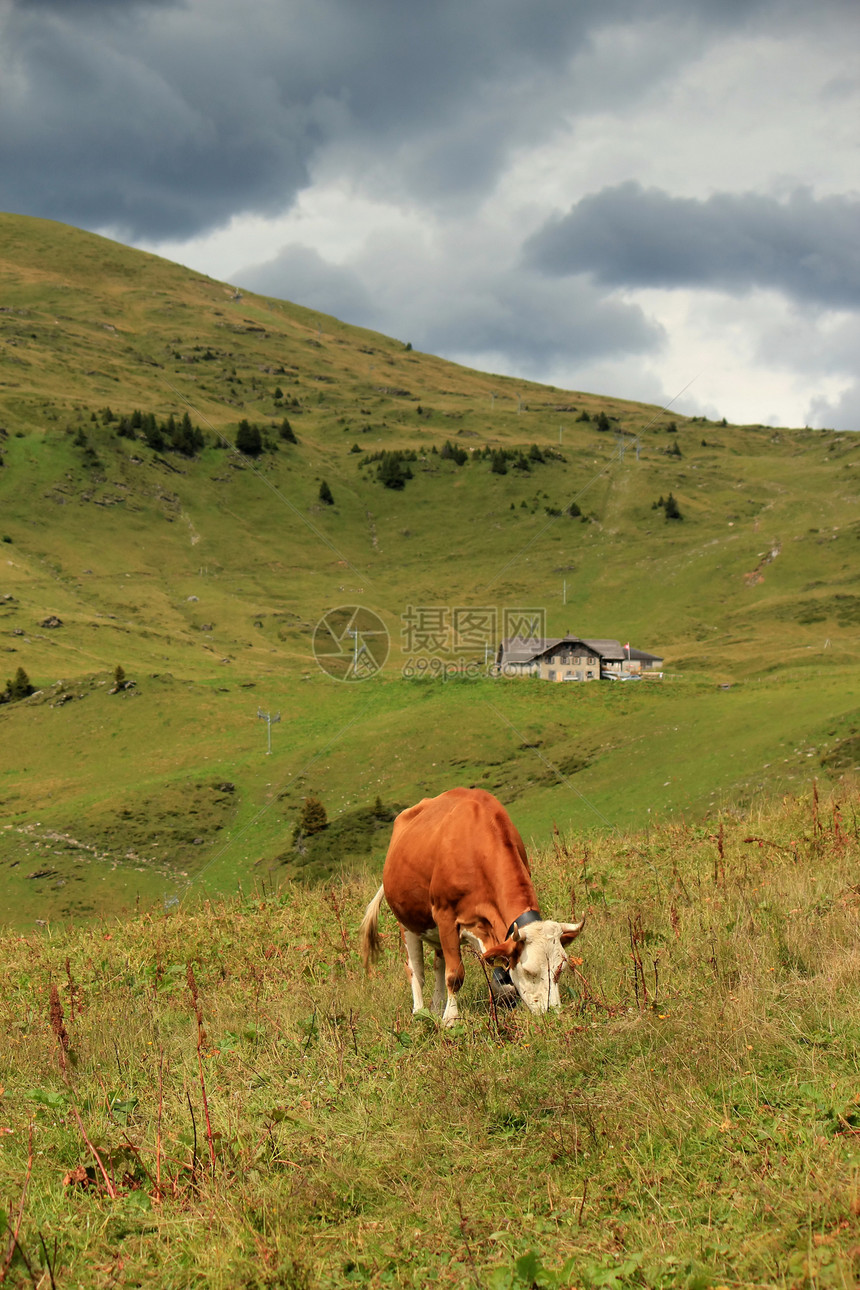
{"type": "Point", "coordinates": [570, 931]}
{"type": "Point", "coordinates": [516, 934]}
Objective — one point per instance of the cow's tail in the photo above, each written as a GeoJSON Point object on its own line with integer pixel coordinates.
{"type": "Point", "coordinates": [368, 936]}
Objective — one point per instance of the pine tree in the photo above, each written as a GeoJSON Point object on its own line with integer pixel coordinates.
{"type": "Point", "coordinates": [249, 441]}
{"type": "Point", "coordinates": [287, 432]}
{"type": "Point", "coordinates": [325, 494]}
{"type": "Point", "coordinates": [313, 817]}
{"type": "Point", "coordinates": [185, 437]}
{"type": "Point", "coordinates": [452, 453]}
{"type": "Point", "coordinates": [391, 472]}
{"type": "Point", "coordinates": [152, 434]}
{"type": "Point", "coordinates": [19, 688]}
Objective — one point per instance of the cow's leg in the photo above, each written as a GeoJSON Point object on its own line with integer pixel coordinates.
{"type": "Point", "coordinates": [439, 982]}
{"type": "Point", "coordinates": [454, 971]}
{"type": "Point", "coordinates": [415, 967]}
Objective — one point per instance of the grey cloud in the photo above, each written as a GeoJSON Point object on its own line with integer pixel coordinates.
{"type": "Point", "coordinates": [301, 275]}
{"type": "Point", "coordinates": [534, 329]}
{"type": "Point", "coordinates": [528, 323]}
{"type": "Point", "coordinates": [837, 414]}
{"type": "Point", "coordinates": [157, 119]}
{"type": "Point", "coordinates": [635, 237]}
{"type": "Point", "coordinates": [797, 341]}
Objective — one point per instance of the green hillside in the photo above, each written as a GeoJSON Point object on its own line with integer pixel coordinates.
{"type": "Point", "coordinates": [202, 572]}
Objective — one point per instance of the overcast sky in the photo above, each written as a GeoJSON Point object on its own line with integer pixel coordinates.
{"type": "Point", "coordinates": [625, 196]}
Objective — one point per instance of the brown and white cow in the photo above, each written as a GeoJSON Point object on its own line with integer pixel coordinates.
{"type": "Point", "coordinates": [457, 874]}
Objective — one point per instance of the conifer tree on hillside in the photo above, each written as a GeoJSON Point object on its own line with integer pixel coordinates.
{"type": "Point", "coordinates": [19, 688]}
{"type": "Point", "coordinates": [453, 453]}
{"type": "Point", "coordinates": [185, 437]}
{"type": "Point", "coordinates": [312, 819]}
{"type": "Point", "coordinates": [391, 470]}
{"type": "Point", "coordinates": [151, 433]}
{"type": "Point", "coordinates": [325, 494]}
{"type": "Point", "coordinates": [249, 441]}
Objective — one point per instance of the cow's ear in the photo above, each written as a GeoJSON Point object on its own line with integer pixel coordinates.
{"type": "Point", "coordinates": [508, 951]}
{"type": "Point", "coordinates": [570, 931]}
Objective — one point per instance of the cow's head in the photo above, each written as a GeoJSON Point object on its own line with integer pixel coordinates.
{"type": "Point", "coordinates": [535, 957]}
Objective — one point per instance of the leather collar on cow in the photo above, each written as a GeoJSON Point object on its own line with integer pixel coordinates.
{"type": "Point", "coordinates": [530, 916]}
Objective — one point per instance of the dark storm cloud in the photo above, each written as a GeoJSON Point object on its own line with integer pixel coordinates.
{"type": "Point", "coordinates": [629, 236]}
{"type": "Point", "coordinates": [159, 119]}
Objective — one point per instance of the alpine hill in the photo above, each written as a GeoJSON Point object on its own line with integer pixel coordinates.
{"type": "Point", "coordinates": [136, 535]}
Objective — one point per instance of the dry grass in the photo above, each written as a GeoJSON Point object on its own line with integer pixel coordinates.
{"type": "Point", "coordinates": [692, 1117]}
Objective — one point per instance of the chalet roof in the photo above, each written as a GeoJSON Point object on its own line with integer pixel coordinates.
{"type": "Point", "coordinates": [550, 646]}
{"type": "Point", "coordinates": [609, 650]}
{"type": "Point", "coordinates": [642, 656]}
{"type": "Point", "coordinates": [519, 650]}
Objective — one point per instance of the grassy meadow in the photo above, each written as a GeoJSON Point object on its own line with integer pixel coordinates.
{"type": "Point", "coordinates": [216, 1095]}
{"type": "Point", "coordinates": [198, 1085]}
{"type": "Point", "coordinates": [203, 577]}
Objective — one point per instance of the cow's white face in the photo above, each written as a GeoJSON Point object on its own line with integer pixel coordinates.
{"type": "Point", "coordinates": [537, 968]}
